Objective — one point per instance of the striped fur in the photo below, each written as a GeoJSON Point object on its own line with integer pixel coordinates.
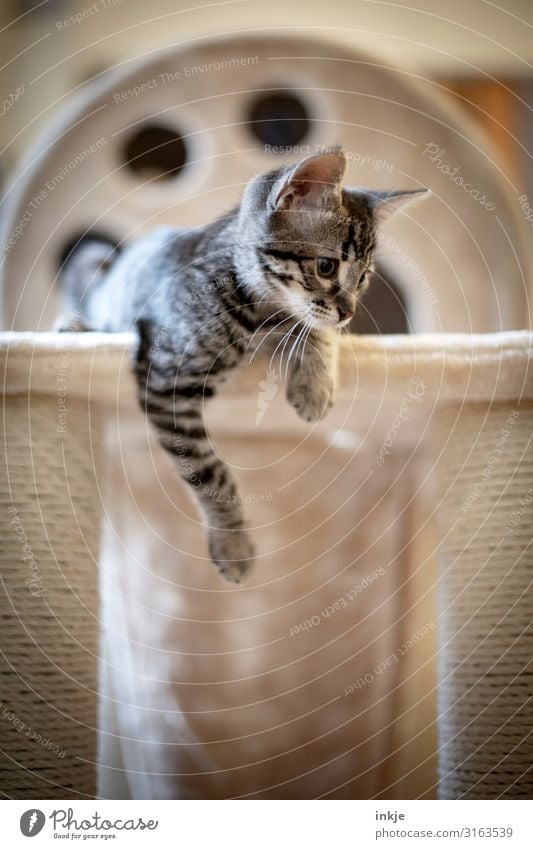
{"type": "Point", "coordinates": [204, 300]}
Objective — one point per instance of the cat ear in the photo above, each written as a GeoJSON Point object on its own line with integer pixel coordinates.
{"type": "Point", "coordinates": [386, 204]}
{"type": "Point", "coordinates": [311, 181]}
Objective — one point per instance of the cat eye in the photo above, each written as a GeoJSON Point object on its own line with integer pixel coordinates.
{"type": "Point", "coordinates": [326, 267]}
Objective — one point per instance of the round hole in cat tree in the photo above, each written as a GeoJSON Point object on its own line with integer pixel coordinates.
{"type": "Point", "coordinates": [279, 119]}
{"type": "Point", "coordinates": [155, 152]}
{"type": "Point", "coordinates": [382, 309]}
{"type": "Point", "coordinates": [75, 242]}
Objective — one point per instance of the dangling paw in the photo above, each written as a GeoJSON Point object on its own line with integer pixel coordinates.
{"type": "Point", "coordinates": [232, 551]}
{"type": "Point", "coordinates": [310, 400]}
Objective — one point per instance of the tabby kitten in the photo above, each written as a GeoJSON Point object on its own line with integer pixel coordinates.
{"type": "Point", "coordinates": [288, 265]}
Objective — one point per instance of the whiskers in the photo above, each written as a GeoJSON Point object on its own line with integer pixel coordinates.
{"type": "Point", "coordinates": [300, 341]}
{"type": "Point", "coordinates": [283, 341]}
{"type": "Point", "coordinates": [289, 327]}
{"type": "Point", "coordinates": [270, 332]}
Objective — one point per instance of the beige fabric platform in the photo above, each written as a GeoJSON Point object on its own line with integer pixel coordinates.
{"type": "Point", "coordinates": [380, 647]}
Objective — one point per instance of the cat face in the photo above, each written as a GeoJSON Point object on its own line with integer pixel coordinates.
{"type": "Point", "coordinates": [315, 240]}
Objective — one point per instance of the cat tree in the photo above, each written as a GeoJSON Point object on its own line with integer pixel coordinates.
{"type": "Point", "coordinates": [390, 596]}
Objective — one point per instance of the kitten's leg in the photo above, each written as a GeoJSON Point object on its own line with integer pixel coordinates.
{"type": "Point", "coordinates": [313, 376]}
{"type": "Point", "coordinates": [70, 323]}
{"type": "Point", "coordinates": [175, 409]}
{"type": "Point", "coordinates": [182, 433]}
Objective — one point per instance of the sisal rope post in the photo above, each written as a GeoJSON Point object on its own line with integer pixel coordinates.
{"type": "Point", "coordinates": [485, 606]}
{"type": "Point", "coordinates": [49, 628]}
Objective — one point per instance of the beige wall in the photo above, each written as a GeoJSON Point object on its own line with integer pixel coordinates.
{"type": "Point", "coordinates": [446, 40]}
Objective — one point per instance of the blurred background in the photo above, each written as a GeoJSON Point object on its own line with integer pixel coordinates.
{"type": "Point", "coordinates": [480, 52]}
{"type": "Point", "coordinates": [473, 58]}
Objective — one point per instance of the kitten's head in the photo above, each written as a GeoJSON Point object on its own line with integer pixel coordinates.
{"type": "Point", "coordinates": [310, 240]}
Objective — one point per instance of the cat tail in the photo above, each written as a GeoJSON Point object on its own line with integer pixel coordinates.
{"type": "Point", "coordinates": [84, 267]}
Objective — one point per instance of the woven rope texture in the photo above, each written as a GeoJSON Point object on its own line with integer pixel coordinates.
{"type": "Point", "coordinates": [49, 523]}
{"type": "Point", "coordinates": [484, 601]}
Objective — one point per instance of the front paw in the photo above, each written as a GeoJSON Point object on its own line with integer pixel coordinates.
{"type": "Point", "coordinates": [311, 401]}
{"type": "Point", "coordinates": [232, 552]}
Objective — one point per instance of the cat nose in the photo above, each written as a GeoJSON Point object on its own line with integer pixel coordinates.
{"type": "Point", "coordinates": [345, 314]}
